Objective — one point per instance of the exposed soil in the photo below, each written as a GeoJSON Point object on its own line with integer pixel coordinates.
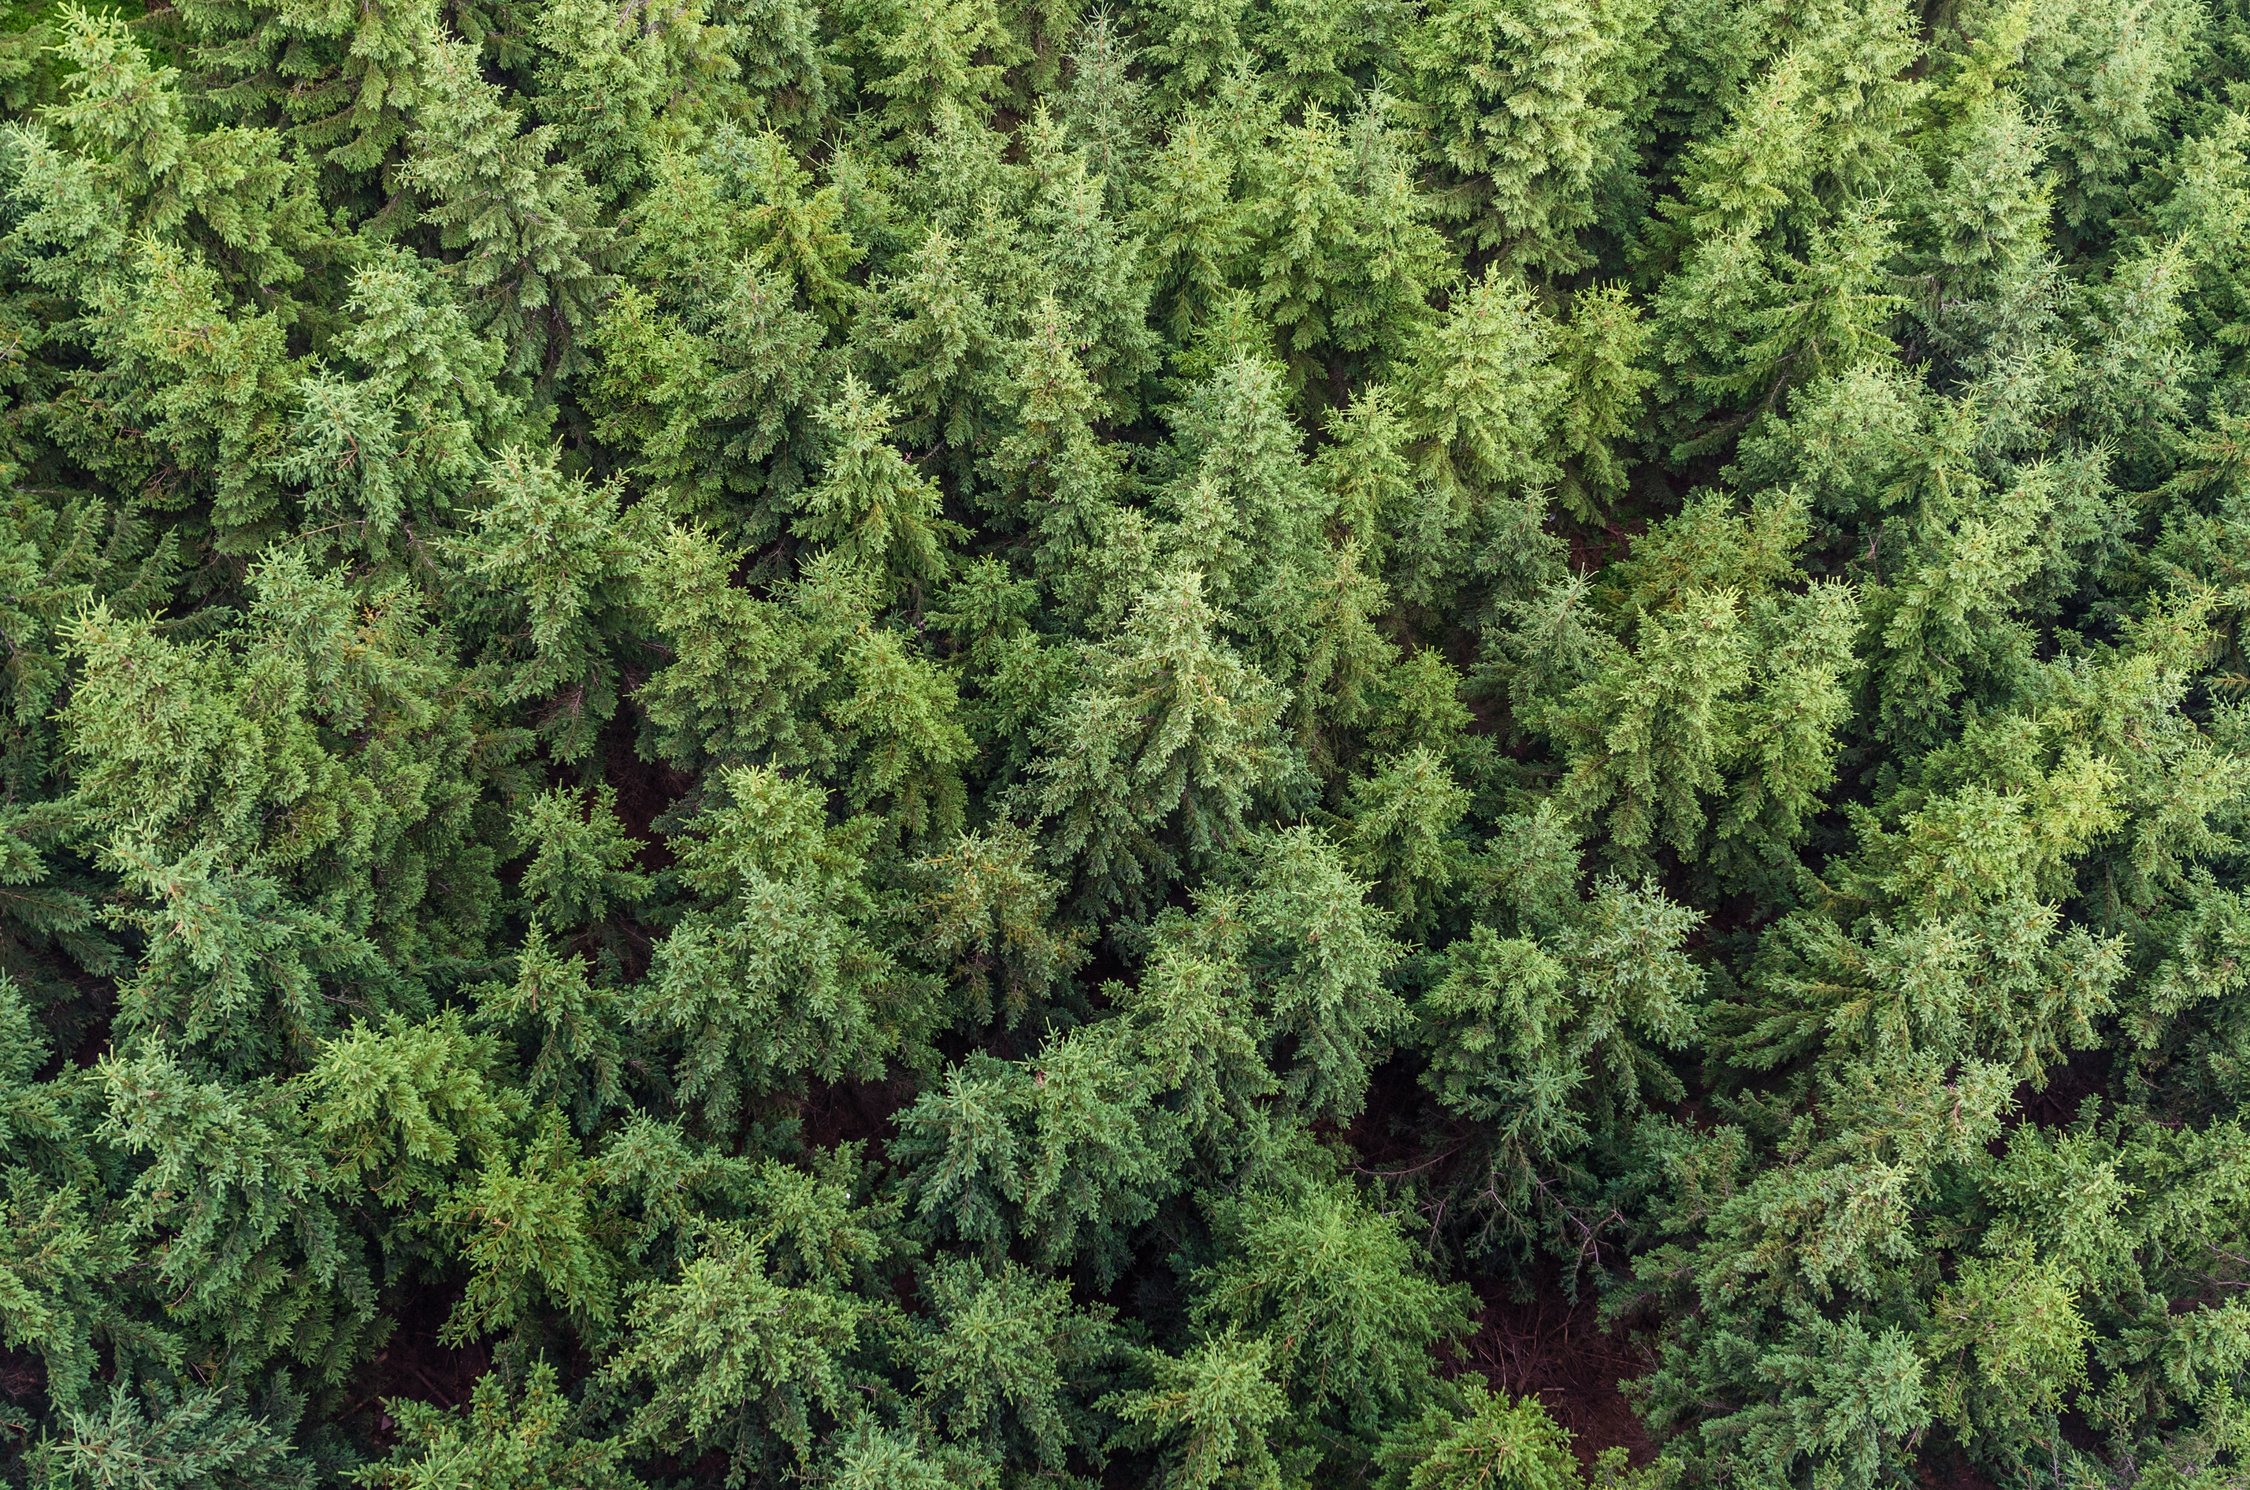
{"type": "Point", "coordinates": [414, 1364]}
{"type": "Point", "coordinates": [1945, 1469]}
{"type": "Point", "coordinates": [1555, 1349]}
{"type": "Point", "coordinates": [847, 1111]}
{"type": "Point", "coordinates": [2086, 1074]}
{"type": "Point", "coordinates": [644, 791]}
{"type": "Point", "coordinates": [1546, 1345]}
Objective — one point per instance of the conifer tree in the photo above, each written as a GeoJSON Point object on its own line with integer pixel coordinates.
{"type": "Point", "coordinates": [1195, 227]}
{"type": "Point", "coordinates": [871, 506]}
{"type": "Point", "coordinates": [399, 434]}
{"type": "Point", "coordinates": [176, 1440]}
{"type": "Point", "coordinates": [1493, 1442]}
{"type": "Point", "coordinates": [1482, 392]}
{"type": "Point", "coordinates": [1331, 1286]}
{"type": "Point", "coordinates": [515, 1436]}
{"type": "Point", "coordinates": [1208, 1410]}
{"type": "Point", "coordinates": [551, 555]}
{"type": "Point", "coordinates": [939, 58]}
{"type": "Point", "coordinates": [605, 79]}
{"type": "Point", "coordinates": [743, 668]}
{"type": "Point", "coordinates": [1009, 1362]}
{"type": "Point", "coordinates": [737, 1360]}
{"type": "Point", "coordinates": [251, 1255]}
{"type": "Point", "coordinates": [524, 228]}
{"type": "Point", "coordinates": [712, 404]}
{"type": "Point", "coordinates": [1518, 100]}
{"type": "Point", "coordinates": [1066, 1150]}
{"type": "Point", "coordinates": [1249, 516]}
{"type": "Point", "coordinates": [990, 915]}
{"type": "Point", "coordinates": [784, 966]}
{"type": "Point", "coordinates": [525, 1229]}
{"type": "Point", "coordinates": [1155, 755]}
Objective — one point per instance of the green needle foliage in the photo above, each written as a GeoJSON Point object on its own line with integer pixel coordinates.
{"type": "Point", "coordinates": [897, 744]}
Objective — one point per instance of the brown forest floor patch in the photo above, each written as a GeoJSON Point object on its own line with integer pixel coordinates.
{"type": "Point", "coordinates": [1556, 1350]}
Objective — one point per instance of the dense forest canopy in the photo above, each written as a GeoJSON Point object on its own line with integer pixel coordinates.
{"type": "Point", "coordinates": [1006, 743]}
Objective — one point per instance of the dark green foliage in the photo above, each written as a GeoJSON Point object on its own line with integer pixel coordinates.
{"type": "Point", "coordinates": [198, 1440]}
{"type": "Point", "coordinates": [733, 1358]}
{"type": "Point", "coordinates": [1332, 1287]}
{"type": "Point", "coordinates": [890, 744]}
{"type": "Point", "coordinates": [1487, 1441]}
{"type": "Point", "coordinates": [1068, 1149]}
{"type": "Point", "coordinates": [1009, 1364]}
{"type": "Point", "coordinates": [780, 967]}
{"type": "Point", "coordinates": [506, 1440]}
{"type": "Point", "coordinates": [1209, 1413]}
